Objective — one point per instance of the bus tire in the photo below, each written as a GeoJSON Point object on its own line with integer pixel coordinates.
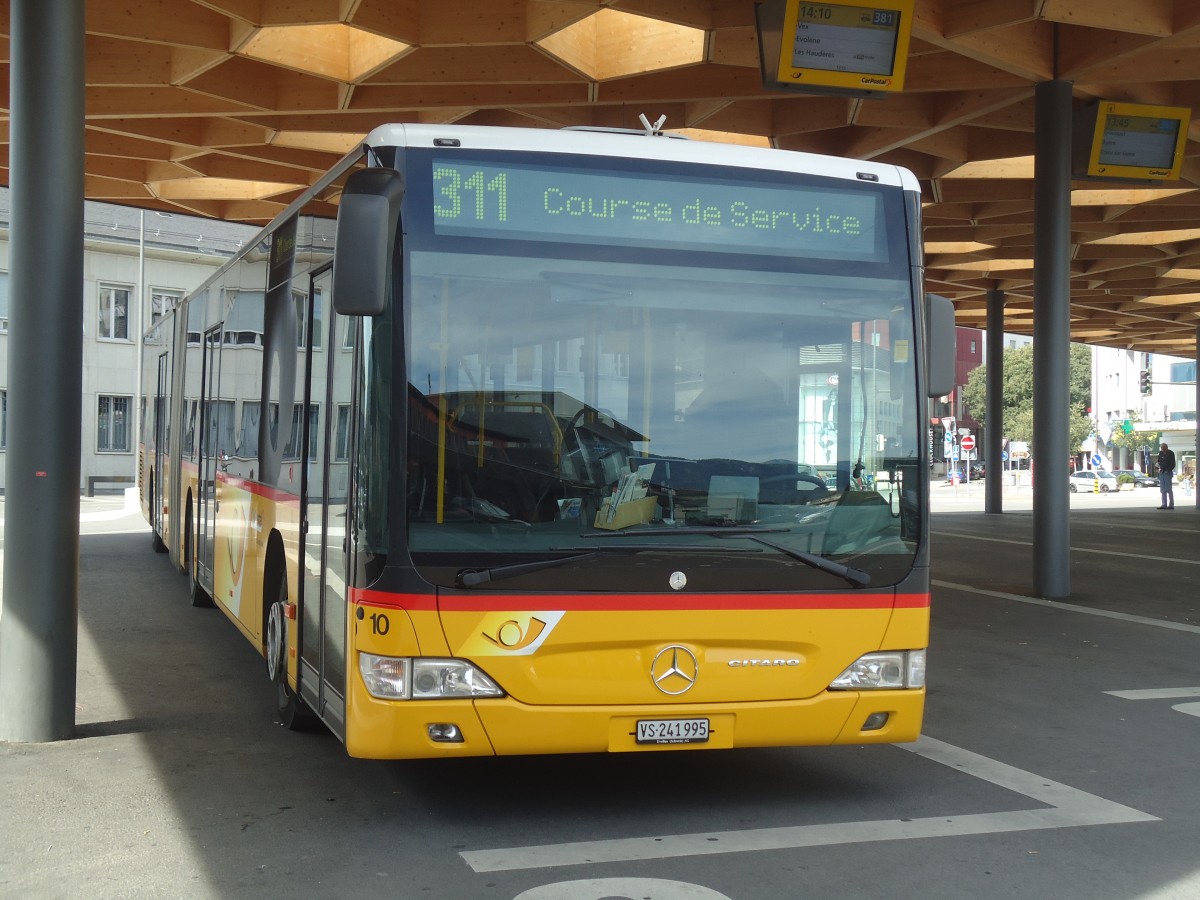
{"type": "Point", "coordinates": [199, 596]}
{"type": "Point", "coordinates": [156, 540]}
{"type": "Point", "coordinates": [293, 712]}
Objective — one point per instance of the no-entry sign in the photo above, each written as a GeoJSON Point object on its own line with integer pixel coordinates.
{"type": "Point", "coordinates": [967, 442]}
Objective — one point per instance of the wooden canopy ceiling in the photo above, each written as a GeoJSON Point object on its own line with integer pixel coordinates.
{"type": "Point", "coordinates": [229, 108]}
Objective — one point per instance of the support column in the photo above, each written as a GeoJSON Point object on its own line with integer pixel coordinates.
{"type": "Point", "coordinates": [38, 621]}
{"type": "Point", "coordinates": [1051, 340]}
{"type": "Point", "coordinates": [993, 501]}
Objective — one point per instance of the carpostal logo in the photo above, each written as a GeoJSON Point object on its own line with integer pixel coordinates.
{"type": "Point", "coordinates": [877, 82]}
{"type": "Point", "coordinates": [513, 634]}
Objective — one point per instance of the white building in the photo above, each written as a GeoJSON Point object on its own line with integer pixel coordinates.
{"type": "Point", "coordinates": [1166, 404]}
{"type": "Point", "coordinates": [135, 266]}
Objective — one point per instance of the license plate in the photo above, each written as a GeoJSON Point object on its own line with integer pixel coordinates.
{"type": "Point", "coordinates": [672, 731]}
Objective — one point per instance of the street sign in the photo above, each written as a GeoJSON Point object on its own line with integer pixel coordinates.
{"type": "Point", "coordinates": [1097, 459]}
{"type": "Point", "coordinates": [967, 442]}
{"type": "Point", "coordinates": [1004, 456]}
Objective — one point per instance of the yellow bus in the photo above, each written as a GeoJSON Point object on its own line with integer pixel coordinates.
{"type": "Point", "coordinates": [514, 441]}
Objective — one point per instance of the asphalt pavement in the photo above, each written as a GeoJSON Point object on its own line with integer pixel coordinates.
{"type": "Point", "coordinates": [1058, 759]}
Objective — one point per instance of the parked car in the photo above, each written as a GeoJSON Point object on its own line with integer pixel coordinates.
{"type": "Point", "coordinates": [1141, 479]}
{"type": "Point", "coordinates": [1086, 481]}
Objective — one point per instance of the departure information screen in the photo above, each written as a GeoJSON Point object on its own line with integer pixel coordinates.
{"type": "Point", "coordinates": [845, 38]}
{"type": "Point", "coordinates": [525, 202]}
{"type": "Point", "coordinates": [1139, 141]}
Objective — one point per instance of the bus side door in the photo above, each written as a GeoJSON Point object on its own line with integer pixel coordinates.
{"type": "Point", "coordinates": [323, 598]}
{"type": "Point", "coordinates": [209, 459]}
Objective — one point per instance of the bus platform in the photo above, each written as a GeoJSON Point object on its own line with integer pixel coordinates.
{"type": "Point", "coordinates": [179, 783]}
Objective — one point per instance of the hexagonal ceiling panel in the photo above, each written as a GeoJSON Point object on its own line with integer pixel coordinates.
{"type": "Point", "coordinates": [229, 108]}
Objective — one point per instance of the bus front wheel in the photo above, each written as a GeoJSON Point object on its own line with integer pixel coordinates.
{"type": "Point", "coordinates": [294, 714]}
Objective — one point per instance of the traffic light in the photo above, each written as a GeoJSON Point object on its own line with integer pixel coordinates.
{"type": "Point", "coordinates": [1144, 383]}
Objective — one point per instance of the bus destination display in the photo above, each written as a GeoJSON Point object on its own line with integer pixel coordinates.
{"type": "Point", "coordinates": [520, 202]}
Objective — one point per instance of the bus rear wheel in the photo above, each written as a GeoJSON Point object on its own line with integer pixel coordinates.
{"type": "Point", "coordinates": [156, 540]}
{"type": "Point", "coordinates": [294, 713]}
{"type": "Point", "coordinates": [199, 595]}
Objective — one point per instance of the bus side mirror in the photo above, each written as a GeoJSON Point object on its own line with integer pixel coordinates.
{"type": "Point", "coordinates": [939, 346]}
{"type": "Point", "coordinates": [368, 216]}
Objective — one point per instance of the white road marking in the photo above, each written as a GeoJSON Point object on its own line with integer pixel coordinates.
{"type": "Point", "coordinates": [1105, 551]}
{"type": "Point", "coordinates": [1068, 808]}
{"type": "Point", "coordinates": [1157, 693]}
{"type": "Point", "coordinates": [1191, 709]}
{"type": "Point", "coordinates": [1070, 607]}
{"type": "Point", "coordinates": [611, 888]}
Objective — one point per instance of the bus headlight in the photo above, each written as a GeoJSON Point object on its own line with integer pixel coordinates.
{"type": "Point", "coordinates": [406, 678]}
{"type": "Point", "coordinates": [883, 671]}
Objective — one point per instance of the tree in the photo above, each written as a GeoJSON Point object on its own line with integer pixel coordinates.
{"type": "Point", "coordinates": [1018, 390]}
{"type": "Point", "coordinates": [1136, 440]}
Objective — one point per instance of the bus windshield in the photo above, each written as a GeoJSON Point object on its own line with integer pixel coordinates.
{"type": "Point", "coordinates": [613, 366]}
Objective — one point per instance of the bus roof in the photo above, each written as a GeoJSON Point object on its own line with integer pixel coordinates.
{"type": "Point", "coordinates": [637, 145]}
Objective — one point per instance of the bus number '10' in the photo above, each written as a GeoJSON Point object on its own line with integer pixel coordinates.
{"type": "Point", "coordinates": [475, 196]}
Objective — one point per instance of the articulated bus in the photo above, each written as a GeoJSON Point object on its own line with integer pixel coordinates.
{"type": "Point", "coordinates": [515, 441]}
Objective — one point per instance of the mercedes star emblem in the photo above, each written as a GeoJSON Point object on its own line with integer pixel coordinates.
{"type": "Point", "coordinates": [674, 670]}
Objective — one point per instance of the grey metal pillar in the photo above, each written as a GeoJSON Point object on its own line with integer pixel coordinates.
{"type": "Point", "coordinates": [38, 622]}
{"type": "Point", "coordinates": [1051, 339]}
{"type": "Point", "coordinates": [994, 433]}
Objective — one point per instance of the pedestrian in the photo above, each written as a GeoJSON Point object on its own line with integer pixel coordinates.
{"type": "Point", "coordinates": [1166, 476]}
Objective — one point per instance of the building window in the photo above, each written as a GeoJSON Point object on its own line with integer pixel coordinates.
{"type": "Point", "coordinates": [114, 312]}
{"type": "Point", "coordinates": [291, 449]}
{"type": "Point", "coordinates": [300, 300]}
{"type": "Point", "coordinates": [3, 420]}
{"type": "Point", "coordinates": [1183, 372]}
{"type": "Point", "coordinates": [112, 424]}
{"type": "Point", "coordinates": [341, 450]}
{"type": "Point", "coordinates": [162, 301]}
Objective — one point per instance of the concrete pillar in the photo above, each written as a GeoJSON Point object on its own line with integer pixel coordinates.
{"type": "Point", "coordinates": [38, 622]}
{"type": "Point", "coordinates": [1051, 339]}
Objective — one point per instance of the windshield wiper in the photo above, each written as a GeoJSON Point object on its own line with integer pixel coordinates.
{"type": "Point", "coordinates": [723, 530]}
{"type": "Point", "coordinates": [856, 577]}
{"type": "Point", "coordinates": [476, 577]}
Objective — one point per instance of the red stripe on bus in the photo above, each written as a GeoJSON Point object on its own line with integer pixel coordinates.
{"type": "Point", "coordinates": [426, 602]}
{"type": "Point", "coordinates": [256, 487]}
{"type": "Point", "coordinates": [631, 602]}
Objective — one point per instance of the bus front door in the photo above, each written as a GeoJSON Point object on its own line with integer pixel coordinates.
{"type": "Point", "coordinates": [323, 629]}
